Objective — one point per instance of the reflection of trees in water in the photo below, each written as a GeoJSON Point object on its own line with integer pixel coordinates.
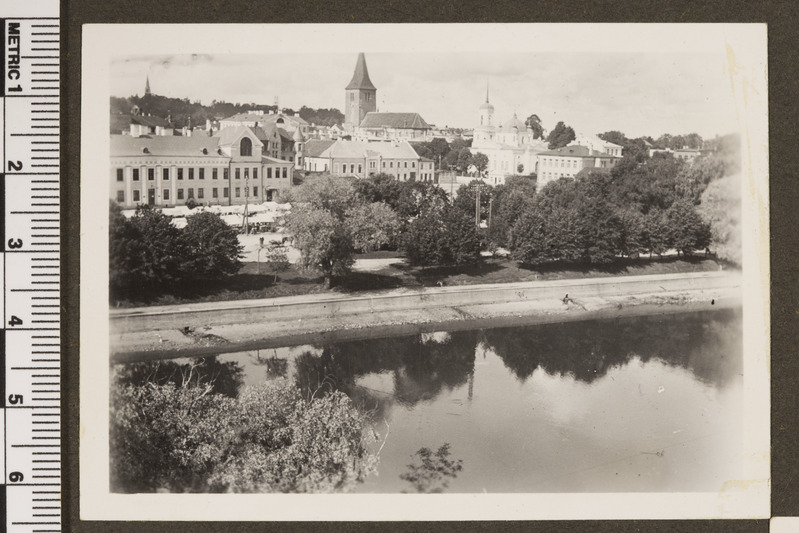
{"type": "Point", "coordinates": [225, 378]}
{"type": "Point", "coordinates": [707, 343]}
{"type": "Point", "coordinates": [421, 370]}
{"type": "Point", "coordinates": [276, 368]}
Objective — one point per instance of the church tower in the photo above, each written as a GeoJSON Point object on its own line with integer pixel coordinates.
{"type": "Point", "coordinates": [486, 112]}
{"type": "Point", "coordinates": [147, 86]}
{"type": "Point", "coordinates": [360, 95]}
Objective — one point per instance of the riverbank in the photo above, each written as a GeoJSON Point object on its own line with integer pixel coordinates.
{"type": "Point", "coordinates": [204, 329]}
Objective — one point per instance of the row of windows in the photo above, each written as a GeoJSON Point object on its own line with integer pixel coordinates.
{"type": "Point", "coordinates": [564, 163]}
{"type": "Point", "coordinates": [201, 173]}
{"type": "Point", "coordinates": [189, 194]}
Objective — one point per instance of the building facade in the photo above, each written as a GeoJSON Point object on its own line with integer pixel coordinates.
{"type": "Point", "coordinates": [566, 162]}
{"type": "Point", "coordinates": [226, 169]}
{"type": "Point", "coordinates": [364, 159]}
{"type": "Point", "coordinates": [510, 146]}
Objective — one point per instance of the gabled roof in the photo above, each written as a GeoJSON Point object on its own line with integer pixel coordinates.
{"type": "Point", "coordinates": [232, 134]}
{"type": "Point", "coordinates": [315, 147]}
{"type": "Point", "coordinates": [125, 145]}
{"type": "Point", "coordinates": [359, 149]}
{"type": "Point", "coordinates": [360, 78]}
{"type": "Point", "coordinates": [149, 121]}
{"type": "Point", "coordinates": [394, 120]}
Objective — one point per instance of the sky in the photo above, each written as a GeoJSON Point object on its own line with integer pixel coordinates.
{"type": "Point", "coordinates": [647, 93]}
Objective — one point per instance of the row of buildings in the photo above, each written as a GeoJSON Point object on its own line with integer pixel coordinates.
{"type": "Point", "coordinates": [252, 156]}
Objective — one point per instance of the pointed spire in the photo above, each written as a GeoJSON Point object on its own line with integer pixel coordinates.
{"type": "Point", "coordinates": [147, 86]}
{"type": "Point", "coordinates": [360, 79]}
{"type": "Point", "coordinates": [487, 82]}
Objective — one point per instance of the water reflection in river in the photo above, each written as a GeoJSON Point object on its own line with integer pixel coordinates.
{"type": "Point", "coordinates": [633, 404]}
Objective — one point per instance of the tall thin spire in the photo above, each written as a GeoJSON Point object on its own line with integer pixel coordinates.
{"type": "Point", "coordinates": [360, 78]}
{"type": "Point", "coordinates": [487, 82]}
{"type": "Point", "coordinates": [147, 86]}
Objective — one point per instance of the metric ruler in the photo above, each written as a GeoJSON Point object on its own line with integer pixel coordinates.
{"type": "Point", "coordinates": [30, 338]}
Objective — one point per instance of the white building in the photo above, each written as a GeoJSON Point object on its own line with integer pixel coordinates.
{"type": "Point", "coordinates": [363, 159]}
{"type": "Point", "coordinates": [510, 147]}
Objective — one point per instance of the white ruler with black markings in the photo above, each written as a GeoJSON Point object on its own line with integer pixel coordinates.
{"type": "Point", "coordinates": [30, 339]}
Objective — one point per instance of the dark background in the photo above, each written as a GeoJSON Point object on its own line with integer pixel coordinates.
{"type": "Point", "coordinates": [781, 17]}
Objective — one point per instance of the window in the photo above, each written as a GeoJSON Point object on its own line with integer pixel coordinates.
{"type": "Point", "coordinates": [255, 191]}
{"type": "Point", "coordinates": [238, 173]}
{"type": "Point", "coordinates": [166, 194]}
{"type": "Point", "coordinates": [406, 164]}
{"type": "Point", "coordinates": [136, 196]}
{"type": "Point", "coordinates": [246, 173]}
{"type": "Point", "coordinates": [391, 164]}
{"type": "Point", "coordinates": [360, 169]}
{"type": "Point", "coordinates": [135, 174]}
{"type": "Point", "coordinates": [255, 173]}
{"type": "Point", "coordinates": [165, 174]}
{"type": "Point", "coordinates": [180, 173]}
{"type": "Point", "coordinates": [238, 192]}
{"type": "Point", "coordinates": [352, 169]}
{"type": "Point", "coordinates": [226, 174]}
{"type": "Point", "coordinates": [413, 164]}
{"type": "Point", "coordinates": [191, 192]}
{"type": "Point", "coordinates": [120, 174]}
{"type": "Point", "coordinates": [215, 173]}
{"type": "Point", "coordinates": [245, 147]}
{"type": "Point", "coordinates": [200, 193]}
{"type": "Point", "coordinates": [268, 173]}
{"type": "Point", "coordinates": [225, 192]}
{"type": "Point", "coordinates": [180, 194]}
{"type": "Point", "coordinates": [202, 173]}
{"type": "Point", "coordinates": [285, 172]}
{"type": "Point", "coordinates": [150, 174]}
{"type": "Point", "coordinates": [384, 164]}
{"type": "Point", "coordinates": [191, 173]}
{"type": "Point", "coordinates": [121, 197]}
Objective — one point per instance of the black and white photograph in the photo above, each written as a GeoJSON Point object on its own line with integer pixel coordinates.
{"type": "Point", "coordinates": [339, 269]}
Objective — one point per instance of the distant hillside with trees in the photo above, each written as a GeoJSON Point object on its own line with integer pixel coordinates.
{"type": "Point", "coordinates": [181, 110]}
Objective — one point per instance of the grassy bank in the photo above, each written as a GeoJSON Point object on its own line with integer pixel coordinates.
{"type": "Point", "coordinates": [249, 283]}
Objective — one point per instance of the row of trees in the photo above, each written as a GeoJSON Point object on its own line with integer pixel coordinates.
{"type": "Point", "coordinates": [335, 217]}
{"type": "Point", "coordinates": [148, 251]}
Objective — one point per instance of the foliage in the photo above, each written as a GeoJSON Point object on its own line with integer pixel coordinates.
{"type": "Point", "coordinates": [560, 136]}
{"type": "Point", "coordinates": [511, 200]}
{"type": "Point", "coordinates": [188, 439]}
{"type": "Point", "coordinates": [459, 159]}
{"type": "Point", "coordinates": [380, 188]}
{"type": "Point", "coordinates": [434, 472]}
{"type": "Point", "coordinates": [324, 242]}
{"type": "Point", "coordinates": [534, 123]}
{"type": "Point", "coordinates": [688, 231]}
{"type": "Point", "coordinates": [326, 192]}
{"type": "Point", "coordinates": [466, 198]}
{"type": "Point", "coordinates": [694, 178]}
{"type": "Point", "coordinates": [277, 258]}
{"type": "Point", "coordinates": [444, 236]}
{"type": "Point", "coordinates": [480, 161]}
{"type": "Point", "coordinates": [212, 247]}
{"type": "Point", "coordinates": [721, 208]}
{"type": "Point", "coordinates": [321, 116]}
{"type": "Point", "coordinates": [372, 226]}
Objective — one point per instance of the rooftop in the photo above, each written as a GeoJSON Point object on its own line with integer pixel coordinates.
{"type": "Point", "coordinates": [125, 145]}
{"type": "Point", "coordinates": [394, 120]}
{"type": "Point", "coordinates": [360, 78]}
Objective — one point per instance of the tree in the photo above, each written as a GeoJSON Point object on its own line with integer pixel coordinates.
{"type": "Point", "coordinates": [511, 200]}
{"type": "Point", "coordinates": [212, 247]}
{"type": "Point", "coordinates": [721, 208]}
{"type": "Point", "coordinates": [277, 258]}
{"type": "Point", "coordinates": [688, 231]}
{"type": "Point", "coordinates": [656, 235]}
{"type": "Point", "coordinates": [145, 250]}
{"type": "Point", "coordinates": [534, 123]}
{"type": "Point", "coordinates": [560, 136]}
{"type": "Point", "coordinates": [480, 161]}
{"type": "Point", "coordinates": [330, 193]}
{"type": "Point", "coordinates": [323, 240]}
{"type": "Point", "coordinates": [372, 226]}
{"type": "Point", "coordinates": [444, 236]}
{"type": "Point", "coordinates": [380, 188]}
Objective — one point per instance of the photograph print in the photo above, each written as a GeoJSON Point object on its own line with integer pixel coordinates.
{"type": "Point", "coordinates": [392, 261]}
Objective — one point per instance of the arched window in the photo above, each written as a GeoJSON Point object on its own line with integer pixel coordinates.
{"type": "Point", "coordinates": [246, 147]}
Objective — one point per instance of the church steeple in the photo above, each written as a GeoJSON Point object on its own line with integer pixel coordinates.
{"type": "Point", "coordinates": [147, 86]}
{"type": "Point", "coordinates": [360, 95]}
{"type": "Point", "coordinates": [360, 78]}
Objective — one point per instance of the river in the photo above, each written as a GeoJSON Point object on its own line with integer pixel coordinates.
{"type": "Point", "coordinates": [646, 404]}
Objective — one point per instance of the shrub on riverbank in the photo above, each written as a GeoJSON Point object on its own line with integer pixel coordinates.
{"type": "Point", "coordinates": [188, 438]}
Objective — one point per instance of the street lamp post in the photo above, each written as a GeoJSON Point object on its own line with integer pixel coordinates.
{"type": "Point", "coordinates": [245, 218]}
